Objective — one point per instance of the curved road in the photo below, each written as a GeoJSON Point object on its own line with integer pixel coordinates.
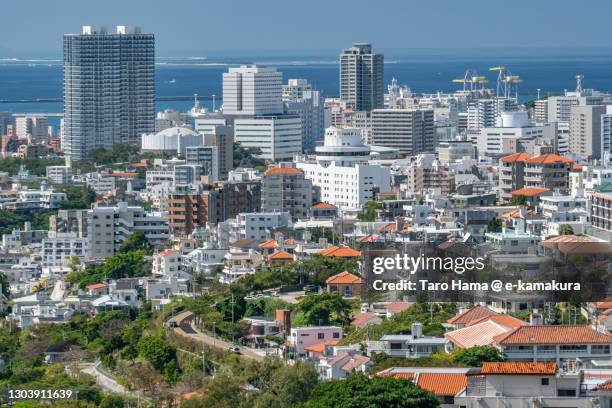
{"type": "Point", "coordinates": [186, 329]}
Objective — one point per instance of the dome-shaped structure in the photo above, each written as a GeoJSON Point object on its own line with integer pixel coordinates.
{"type": "Point", "coordinates": [175, 139]}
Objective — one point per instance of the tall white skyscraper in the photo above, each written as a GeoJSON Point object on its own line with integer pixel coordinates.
{"type": "Point", "coordinates": [252, 90]}
{"type": "Point", "coordinates": [109, 88]}
{"type": "Point", "coordinates": [361, 78]}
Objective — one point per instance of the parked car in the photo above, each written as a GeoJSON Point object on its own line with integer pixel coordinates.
{"type": "Point", "coordinates": [235, 350]}
{"type": "Point", "coordinates": [311, 289]}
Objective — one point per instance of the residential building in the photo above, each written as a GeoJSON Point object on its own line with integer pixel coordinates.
{"type": "Point", "coordinates": [221, 137]}
{"type": "Point", "coordinates": [585, 136]}
{"type": "Point", "coordinates": [555, 343]}
{"type": "Point", "coordinates": [412, 345]}
{"type": "Point", "coordinates": [540, 111]}
{"type": "Point", "coordinates": [109, 88]}
{"type": "Point", "coordinates": [285, 188]}
{"type": "Point", "coordinates": [454, 150]}
{"type": "Point", "coordinates": [59, 248]}
{"type": "Point", "coordinates": [208, 160]}
{"type": "Point", "coordinates": [34, 127]}
{"type": "Point", "coordinates": [601, 210]}
{"type": "Point", "coordinates": [482, 113]}
{"type": "Point", "coordinates": [108, 227]}
{"type": "Point", "coordinates": [341, 172]}
{"type": "Point", "coordinates": [511, 174]}
{"type": "Point", "coordinates": [361, 78]}
{"type": "Point", "coordinates": [549, 171]}
{"type": "Point", "coordinates": [302, 337]}
{"type": "Point", "coordinates": [59, 174]}
{"type": "Point", "coordinates": [345, 283]}
{"type": "Point", "coordinates": [300, 99]}
{"type": "Point", "coordinates": [70, 221]}
{"type": "Point", "coordinates": [279, 137]}
{"type": "Point", "coordinates": [252, 90]}
{"type": "Point", "coordinates": [409, 130]}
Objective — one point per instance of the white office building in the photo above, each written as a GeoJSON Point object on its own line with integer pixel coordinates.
{"type": "Point", "coordinates": [252, 90]}
{"type": "Point", "coordinates": [606, 136]}
{"type": "Point", "coordinates": [483, 113]}
{"type": "Point", "coordinates": [409, 130]}
{"type": "Point", "coordinates": [279, 137]}
{"type": "Point", "coordinates": [35, 127]}
{"type": "Point", "coordinates": [300, 99]}
{"type": "Point", "coordinates": [341, 172]}
{"type": "Point", "coordinates": [59, 248]}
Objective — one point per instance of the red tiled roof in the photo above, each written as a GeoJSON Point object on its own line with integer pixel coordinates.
{"type": "Point", "coordinates": [529, 191]}
{"type": "Point", "coordinates": [575, 244]}
{"type": "Point", "coordinates": [508, 321]}
{"type": "Point", "coordinates": [120, 174]}
{"type": "Point", "coordinates": [442, 384]}
{"type": "Point", "coordinates": [284, 170]}
{"type": "Point", "coordinates": [399, 376]}
{"type": "Point", "coordinates": [324, 206]}
{"type": "Point", "coordinates": [549, 158]}
{"type": "Point", "coordinates": [474, 314]}
{"type": "Point", "coordinates": [483, 332]}
{"type": "Point", "coordinates": [320, 347]}
{"type": "Point", "coordinates": [97, 286]}
{"type": "Point", "coordinates": [565, 334]}
{"type": "Point", "coordinates": [269, 244]}
{"type": "Point", "coordinates": [167, 252]}
{"type": "Point", "coordinates": [344, 278]}
{"type": "Point", "coordinates": [343, 252]}
{"type": "Point", "coordinates": [607, 386]}
{"type": "Point", "coordinates": [516, 157]}
{"type": "Point", "coordinates": [281, 255]}
{"type": "Point", "coordinates": [397, 307]}
{"type": "Point", "coordinates": [368, 238]}
{"type": "Point", "coordinates": [361, 319]}
{"type": "Point", "coordinates": [519, 368]}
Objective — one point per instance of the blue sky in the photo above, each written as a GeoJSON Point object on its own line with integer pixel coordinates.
{"type": "Point", "coordinates": [229, 27]}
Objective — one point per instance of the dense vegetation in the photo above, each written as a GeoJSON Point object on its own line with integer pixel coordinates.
{"type": "Point", "coordinates": [10, 220]}
{"type": "Point", "coordinates": [122, 265]}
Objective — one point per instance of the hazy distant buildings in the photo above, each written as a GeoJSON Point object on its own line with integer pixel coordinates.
{"type": "Point", "coordinates": [300, 99]}
{"type": "Point", "coordinates": [35, 127]}
{"type": "Point", "coordinates": [109, 88]}
{"type": "Point", "coordinates": [252, 90]}
{"type": "Point", "coordinates": [361, 77]}
{"type": "Point", "coordinates": [585, 134]}
{"type": "Point", "coordinates": [606, 135]}
{"type": "Point", "coordinates": [409, 130]}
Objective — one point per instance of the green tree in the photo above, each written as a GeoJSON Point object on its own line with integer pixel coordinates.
{"type": "Point", "coordinates": [518, 200]}
{"type": "Point", "coordinates": [289, 386]}
{"type": "Point", "coordinates": [566, 229]}
{"type": "Point", "coordinates": [475, 356]}
{"type": "Point", "coordinates": [136, 242]}
{"type": "Point", "coordinates": [494, 225]}
{"type": "Point", "coordinates": [359, 391]}
{"type": "Point", "coordinates": [157, 351]}
{"type": "Point", "coordinates": [78, 197]}
{"type": "Point", "coordinates": [324, 309]}
{"type": "Point", "coordinates": [369, 211]}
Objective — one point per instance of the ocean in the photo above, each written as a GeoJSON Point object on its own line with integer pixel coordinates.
{"type": "Point", "coordinates": [549, 70]}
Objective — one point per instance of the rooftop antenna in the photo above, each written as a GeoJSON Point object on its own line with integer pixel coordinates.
{"type": "Point", "coordinates": [579, 83]}
{"type": "Point", "coordinates": [213, 97]}
{"type": "Point", "coordinates": [196, 102]}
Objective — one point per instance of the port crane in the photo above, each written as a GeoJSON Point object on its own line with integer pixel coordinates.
{"type": "Point", "coordinates": [507, 83]}
{"type": "Point", "coordinates": [472, 81]}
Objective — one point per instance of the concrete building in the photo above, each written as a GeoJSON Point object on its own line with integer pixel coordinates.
{"type": "Point", "coordinates": [58, 249]}
{"type": "Point", "coordinates": [108, 227]}
{"type": "Point", "coordinates": [454, 150]}
{"type": "Point", "coordinates": [560, 108]}
{"type": "Point", "coordinates": [278, 137]}
{"type": "Point", "coordinates": [549, 171]}
{"type": "Point", "coordinates": [341, 172]}
{"type": "Point", "coordinates": [601, 210]}
{"type": "Point", "coordinates": [252, 90]}
{"type": "Point", "coordinates": [207, 157]}
{"type": "Point", "coordinates": [511, 174]}
{"type": "Point", "coordinates": [285, 188]}
{"type": "Point", "coordinates": [221, 137]}
{"type": "Point", "coordinates": [59, 174]}
{"type": "Point", "coordinates": [410, 130]}
{"type": "Point", "coordinates": [606, 136]}
{"type": "Point", "coordinates": [34, 127]}
{"type": "Point", "coordinates": [585, 136]}
{"type": "Point", "coordinates": [300, 99]}
{"type": "Point", "coordinates": [483, 113]}
{"type": "Point", "coordinates": [109, 88]}
{"type": "Point", "coordinates": [361, 78]}
{"type": "Point", "coordinates": [540, 111]}
{"type": "Point", "coordinates": [69, 221]}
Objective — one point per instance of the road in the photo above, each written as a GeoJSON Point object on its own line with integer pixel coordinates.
{"type": "Point", "coordinates": [103, 380]}
{"type": "Point", "coordinates": [186, 329]}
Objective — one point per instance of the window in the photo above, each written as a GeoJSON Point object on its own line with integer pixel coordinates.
{"type": "Point", "coordinates": [545, 381]}
{"type": "Point", "coordinates": [336, 335]}
{"type": "Point", "coordinates": [320, 335]}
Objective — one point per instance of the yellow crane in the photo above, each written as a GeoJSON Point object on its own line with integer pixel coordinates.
{"type": "Point", "coordinates": [471, 80]}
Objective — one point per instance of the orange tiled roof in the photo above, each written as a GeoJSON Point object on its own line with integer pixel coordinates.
{"type": "Point", "coordinates": [269, 244]}
{"type": "Point", "coordinates": [519, 368]}
{"type": "Point", "coordinates": [320, 347]}
{"type": "Point", "coordinates": [397, 307]}
{"type": "Point", "coordinates": [97, 286]}
{"type": "Point", "coordinates": [549, 158]}
{"type": "Point", "coordinates": [575, 244]}
{"type": "Point", "coordinates": [283, 170]}
{"type": "Point", "coordinates": [281, 255]}
{"type": "Point", "coordinates": [324, 206]}
{"type": "Point", "coordinates": [516, 157]}
{"type": "Point", "coordinates": [344, 252]}
{"type": "Point", "coordinates": [361, 319]}
{"type": "Point", "coordinates": [529, 191]}
{"type": "Point", "coordinates": [508, 321]}
{"type": "Point", "coordinates": [344, 278]}
{"type": "Point", "coordinates": [120, 174]}
{"type": "Point", "coordinates": [442, 384]}
{"type": "Point", "coordinates": [566, 334]}
{"type": "Point", "coordinates": [368, 238]}
{"type": "Point", "coordinates": [517, 213]}
{"type": "Point", "coordinates": [482, 333]}
{"type": "Point", "coordinates": [167, 252]}
{"type": "Point", "coordinates": [607, 386]}
{"type": "Point", "coordinates": [474, 314]}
